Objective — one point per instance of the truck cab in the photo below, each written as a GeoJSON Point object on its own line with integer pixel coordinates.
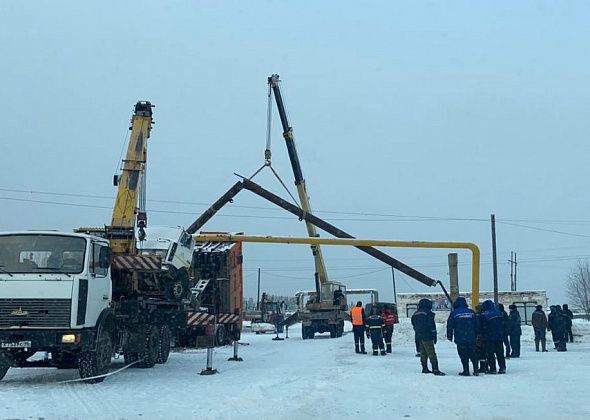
{"type": "Point", "coordinates": [54, 287]}
{"type": "Point", "coordinates": [175, 248]}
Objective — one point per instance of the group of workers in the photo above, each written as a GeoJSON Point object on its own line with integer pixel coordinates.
{"type": "Point", "coordinates": [480, 335]}
{"type": "Point", "coordinates": [377, 326]}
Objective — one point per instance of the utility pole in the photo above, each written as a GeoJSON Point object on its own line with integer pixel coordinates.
{"type": "Point", "coordinates": [394, 292]}
{"type": "Point", "coordinates": [515, 264]}
{"type": "Point", "coordinates": [494, 258]}
{"type": "Point", "coordinates": [258, 298]}
{"type": "Point", "coordinates": [511, 261]}
{"type": "Point", "coordinates": [454, 276]}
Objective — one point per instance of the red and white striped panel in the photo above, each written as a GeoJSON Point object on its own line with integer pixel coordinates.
{"type": "Point", "coordinates": [198, 318]}
{"type": "Point", "coordinates": [144, 263]}
{"type": "Point", "coordinates": [227, 318]}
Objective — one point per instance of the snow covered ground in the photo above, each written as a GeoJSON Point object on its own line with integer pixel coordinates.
{"type": "Point", "coordinates": [322, 379]}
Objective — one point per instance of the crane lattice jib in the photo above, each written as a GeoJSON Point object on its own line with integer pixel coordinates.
{"type": "Point", "coordinates": [122, 229]}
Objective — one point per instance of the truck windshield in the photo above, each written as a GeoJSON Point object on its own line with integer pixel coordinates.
{"type": "Point", "coordinates": [42, 253]}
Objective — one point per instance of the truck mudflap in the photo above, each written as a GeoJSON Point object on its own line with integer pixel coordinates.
{"type": "Point", "coordinates": [204, 318]}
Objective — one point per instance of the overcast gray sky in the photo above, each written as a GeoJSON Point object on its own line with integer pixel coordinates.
{"type": "Point", "coordinates": [402, 111]}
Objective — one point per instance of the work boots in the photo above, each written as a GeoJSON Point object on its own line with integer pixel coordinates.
{"type": "Point", "coordinates": [543, 342]}
{"type": "Point", "coordinates": [465, 369]}
{"type": "Point", "coordinates": [375, 352]}
{"type": "Point", "coordinates": [363, 349]}
{"type": "Point", "coordinates": [437, 372]}
{"type": "Point", "coordinates": [383, 352]}
{"type": "Point", "coordinates": [388, 348]}
{"type": "Point", "coordinates": [475, 369]}
{"type": "Point", "coordinates": [536, 345]}
{"type": "Point", "coordinates": [425, 367]}
{"type": "Point", "coordinates": [356, 348]}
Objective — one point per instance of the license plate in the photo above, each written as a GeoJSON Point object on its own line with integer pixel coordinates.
{"type": "Point", "coordinates": [16, 345]}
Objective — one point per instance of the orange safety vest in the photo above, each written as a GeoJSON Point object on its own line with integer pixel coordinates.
{"type": "Point", "coordinates": [356, 314]}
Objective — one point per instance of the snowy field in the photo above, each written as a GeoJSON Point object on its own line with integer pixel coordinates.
{"type": "Point", "coordinates": [322, 379]}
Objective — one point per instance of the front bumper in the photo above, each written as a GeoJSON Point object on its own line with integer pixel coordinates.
{"type": "Point", "coordinates": [47, 340]}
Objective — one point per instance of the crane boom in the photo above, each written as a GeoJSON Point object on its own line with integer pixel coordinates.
{"type": "Point", "coordinates": [121, 232]}
{"type": "Point", "coordinates": [320, 267]}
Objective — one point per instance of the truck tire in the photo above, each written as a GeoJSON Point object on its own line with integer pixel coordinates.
{"type": "Point", "coordinates": [178, 286]}
{"type": "Point", "coordinates": [220, 335]}
{"type": "Point", "coordinates": [4, 365]}
{"type": "Point", "coordinates": [149, 353]}
{"type": "Point", "coordinates": [92, 363]}
{"type": "Point", "coordinates": [130, 357]}
{"type": "Point", "coordinates": [333, 331]}
{"type": "Point", "coordinates": [340, 329]}
{"type": "Point", "coordinates": [164, 345]}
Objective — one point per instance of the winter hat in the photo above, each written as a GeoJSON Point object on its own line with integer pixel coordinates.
{"type": "Point", "coordinates": [513, 306]}
{"type": "Point", "coordinates": [539, 307]}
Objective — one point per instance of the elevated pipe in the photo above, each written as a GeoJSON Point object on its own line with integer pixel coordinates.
{"type": "Point", "coordinates": [475, 253]}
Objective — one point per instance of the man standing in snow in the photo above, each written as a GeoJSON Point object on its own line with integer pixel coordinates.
{"type": "Point", "coordinates": [357, 315]}
{"type": "Point", "coordinates": [375, 326]}
{"type": "Point", "coordinates": [506, 320]}
{"type": "Point", "coordinates": [389, 318]}
{"type": "Point", "coordinates": [539, 320]}
{"type": "Point", "coordinates": [568, 330]}
{"type": "Point", "coordinates": [493, 334]}
{"type": "Point", "coordinates": [462, 323]}
{"type": "Point", "coordinates": [515, 331]}
{"type": "Point", "coordinates": [425, 328]}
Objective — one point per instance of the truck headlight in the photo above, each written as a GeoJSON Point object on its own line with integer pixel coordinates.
{"type": "Point", "coordinates": [69, 338]}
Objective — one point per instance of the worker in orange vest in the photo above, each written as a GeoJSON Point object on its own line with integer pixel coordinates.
{"type": "Point", "coordinates": [390, 319]}
{"type": "Point", "coordinates": [357, 314]}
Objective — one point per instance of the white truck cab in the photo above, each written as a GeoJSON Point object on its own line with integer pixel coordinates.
{"type": "Point", "coordinates": [172, 244]}
{"type": "Point", "coordinates": [52, 280]}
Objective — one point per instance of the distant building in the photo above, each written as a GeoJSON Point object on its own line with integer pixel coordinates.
{"type": "Point", "coordinates": [525, 301]}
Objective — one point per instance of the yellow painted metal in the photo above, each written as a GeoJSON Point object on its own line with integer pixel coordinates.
{"type": "Point", "coordinates": [475, 253]}
{"type": "Point", "coordinates": [125, 207]}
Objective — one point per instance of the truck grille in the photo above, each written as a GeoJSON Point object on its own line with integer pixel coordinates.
{"type": "Point", "coordinates": [35, 313]}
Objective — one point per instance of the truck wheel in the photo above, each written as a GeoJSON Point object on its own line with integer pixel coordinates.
{"type": "Point", "coordinates": [333, 332]}
{"type": "Point", "coordinates": [96, 362]}
{"type": "Point", "coordinates": [220, 336]}
{"type": "Point", "coordinates": [130, 357]}
{"type": "Point", "coordinates": [340, 329]}
{"type": "Point", "coordinates": [164, 345]}
{"type": "Point", "coordinates": [178, 287]}
{"type": "Point", "coordinates": [151, 345]}
{"type": "Point", "coordinates": [4, 365]}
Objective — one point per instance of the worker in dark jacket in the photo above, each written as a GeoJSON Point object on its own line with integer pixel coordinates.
{"type": "Point", "coordinates": [390, 319]}
{"type": "Point", "coordinates": [480, 349]}
{"type": "Point", "coordinates": [558, 325]}
{"type": "Point", "coordinates": [539, 321]}
{"type": "Point", "coordinates": [493, 335]}
{"type": "Point", "coordinates": [514, 331]}
{"type": "Point", "coordinates": [375, 326]}
{"type": "Point", "coordinates": [357, 315]}
{"type": "Point", "coordinates": [506, 338]}
{"type": "Point", "coordinates": [568, 329]}
{"type": "Point", "coordinates": [462, 324]}
{"type": "Point", "coordinates": [425, 329]}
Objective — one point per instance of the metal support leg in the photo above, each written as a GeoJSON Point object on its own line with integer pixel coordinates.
{"type": "Point", "coordinates": [209, 370]}
{"type": "Point", "coordinates": [235, 358]}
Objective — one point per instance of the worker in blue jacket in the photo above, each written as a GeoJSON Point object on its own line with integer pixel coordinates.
{"type": "Point", "coordinates": [463, 326]}
{"type": "Point", "coordinates": [493, 336]}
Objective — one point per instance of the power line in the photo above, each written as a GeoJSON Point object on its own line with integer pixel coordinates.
{"type": "Point", "coordinates": [546, 230]}
{"type": "Point", "coordinates": [400, 217]}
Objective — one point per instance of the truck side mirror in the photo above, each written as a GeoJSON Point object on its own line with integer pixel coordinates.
{"type": "Point", "coordinates": [104, 257]}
